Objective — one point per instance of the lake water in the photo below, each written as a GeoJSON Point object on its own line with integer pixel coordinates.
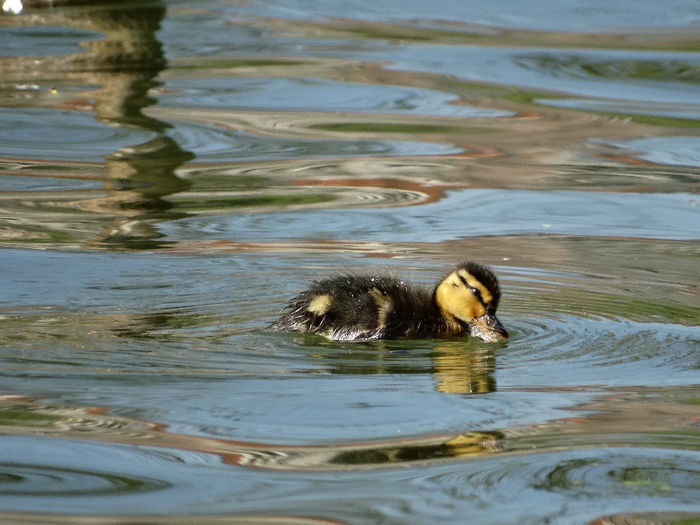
{"type": "Point", "coordinates": [171, 173]}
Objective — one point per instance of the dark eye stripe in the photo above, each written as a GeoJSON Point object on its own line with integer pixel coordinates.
{"type": "Point", "coordinates": [474, 291]}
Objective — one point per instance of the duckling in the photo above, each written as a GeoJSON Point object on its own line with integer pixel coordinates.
{"type": "Point", "coordinates": [369, 307]}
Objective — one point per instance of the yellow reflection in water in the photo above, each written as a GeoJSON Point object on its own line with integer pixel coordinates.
{"type": "Point", "coordinates": [460, 370]}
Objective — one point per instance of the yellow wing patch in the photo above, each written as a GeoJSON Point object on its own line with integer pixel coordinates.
{"type": "Point", "coordinates": [320, 304]}
{"type": "Point", "coordinates": [383, 306]}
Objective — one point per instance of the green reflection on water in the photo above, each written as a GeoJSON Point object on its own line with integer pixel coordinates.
{"type": "Point", "coordinates": [25, 417]}
{"type": "Point", "coordinates": [654, 120]}
{"type": "Point", "coordinates": [562, 476]}
{"type": "Point", "coordinates": [671, 70]}
{"type": "Point", "coordinates": [219, 203]}
{"type": "Point", "coordinates": [208, 180]}
{"type": "Point", "coordinates": [381, 127]}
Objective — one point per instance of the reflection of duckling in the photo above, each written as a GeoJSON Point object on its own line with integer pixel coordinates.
{"type": "Point", "coordinates": [364, 307]}
{"type": "Point", "coordinates": [459, 370]}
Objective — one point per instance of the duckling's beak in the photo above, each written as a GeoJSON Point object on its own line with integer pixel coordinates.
{"type": "Point", "coordinates": [487, 328]}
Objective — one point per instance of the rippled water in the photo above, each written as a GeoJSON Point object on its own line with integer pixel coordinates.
{"type": "Point", "coordinates": [172, 173]}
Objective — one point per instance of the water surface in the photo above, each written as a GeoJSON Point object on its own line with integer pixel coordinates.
{"type": "Point", "coordinates": [171, 174]}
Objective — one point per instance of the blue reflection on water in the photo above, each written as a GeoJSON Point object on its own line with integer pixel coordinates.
{"type": "Point", "coordinates": [470, 213]}
{"type": "Point", "coordinates": [42, 41]}
{"type": "Point", "coordinates": [62, 135]}
{"type": "Point", "coordinates": [318, 94]}
{"type": "Point", "coordinates": [597, 15]}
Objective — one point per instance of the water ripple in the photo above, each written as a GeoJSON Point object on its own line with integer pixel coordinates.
{"type": "Point", "coordinates": [461, 215]}
{"type": "Point", "coordinates": [44, 40]}
{"type": "Point", "coordinates": [556, 486]}
{"type": "Point", "coordinates": [36, 468]}
{"type": "Point", "coordinates": [319, 94]}
{"type": "Point", "coordinates": [668, 151]}
{"type": "Point", "coordinates": [224, 144]}
{"type": "Point", "coordinates": [542, 484]}
{"type": "Point", "coordinates": [18, 479]}
{"type": "Point", "coordinates": [62, 475]}
{"type": "Point", "coordinates": [569, 350]}
{"type": "Point", "coordinates": [55, 139]}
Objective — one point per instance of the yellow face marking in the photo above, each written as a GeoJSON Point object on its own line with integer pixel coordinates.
{"type": "Point", "coordinates": [474, 283]}
{"type": "Point", "coordinates": [455, 300]}
{"type": "Point", "coordinates": [320, 304]}
{"type": "Point", "coordinates": [383, 306]}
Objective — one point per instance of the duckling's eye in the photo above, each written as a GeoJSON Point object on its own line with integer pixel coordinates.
{"type": "Point", "coordinates": [473, 290]}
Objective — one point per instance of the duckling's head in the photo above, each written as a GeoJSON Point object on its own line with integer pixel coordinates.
{"type": "Point", "coordinates": [469, 296]}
